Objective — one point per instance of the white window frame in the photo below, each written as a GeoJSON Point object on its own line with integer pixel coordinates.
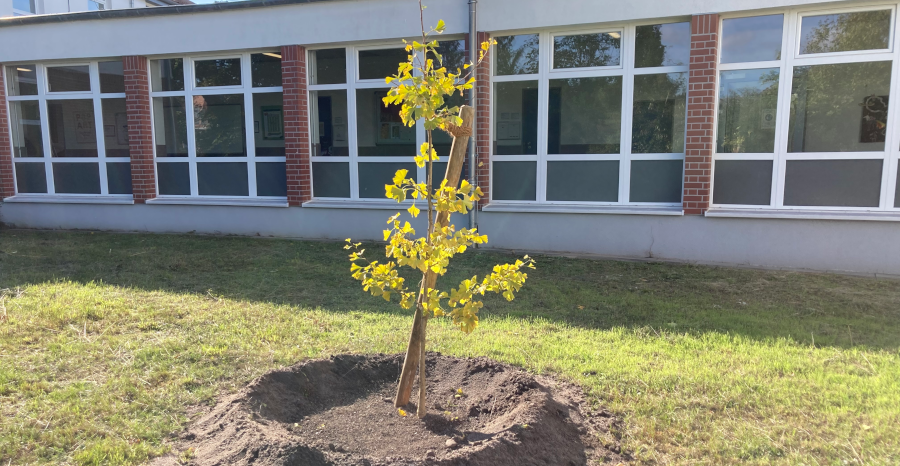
{"type": "Point", "coordinates": [546, 72]}
{"type": "Point", "coordinates": [191, 89]}
{"type": "Point", "coordinates": [351, 85]}
{"type": "Point", "coordinates": [42, 97]}
{"type": "Point", "coordinates": [780, 155]}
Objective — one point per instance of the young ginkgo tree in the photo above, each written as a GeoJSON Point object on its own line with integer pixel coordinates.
{"type": "Point", "coordinates": [420, 87]}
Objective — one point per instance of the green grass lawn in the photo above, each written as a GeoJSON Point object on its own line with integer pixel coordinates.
{"type": "Point", "coordinates": [109, 342]}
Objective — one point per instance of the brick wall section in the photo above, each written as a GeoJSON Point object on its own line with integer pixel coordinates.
{"type": "Point", "coordinates": [296, 124]}
{"type": "Point", "coordinates": [483, 124]}
{"type": "Point", "coordinates": [701, 113]}
{"type": "Point", "coordinates": [7, 187]}
{"type": "Point", "coordinates": [140, 130]}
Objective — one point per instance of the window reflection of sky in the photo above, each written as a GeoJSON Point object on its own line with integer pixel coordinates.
{"type": "Point", "coordinates": [752, 39]}
{"type": "Point", "coordinates": [676, 37]}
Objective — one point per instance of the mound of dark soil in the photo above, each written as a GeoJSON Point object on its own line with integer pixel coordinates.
{"type": "Point", "coordinates": [339, 411]}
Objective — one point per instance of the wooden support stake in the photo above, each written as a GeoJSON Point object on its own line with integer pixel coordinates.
{"type": "Point", "coordinates": [415, 349]}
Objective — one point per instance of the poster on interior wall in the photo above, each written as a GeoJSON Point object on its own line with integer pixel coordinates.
{"type": "Point", "coordinates": [84, 127]}
{"type": "Point", "coordinates": [340, 133]}
{"type": "Point", "coordinates": [873, 128]}
{"type": "Point", "coordinates": [273, 126]}
{"type": "Point", "coordinates": [122, 129]}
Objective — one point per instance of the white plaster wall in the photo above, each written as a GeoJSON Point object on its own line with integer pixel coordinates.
{"type": "Point", "coordinates": [845, 246]}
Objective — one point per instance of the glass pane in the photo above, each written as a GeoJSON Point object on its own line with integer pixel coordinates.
{"type": "Point", "coordinates": [25, 121]}
{"type": "Point", "coordinates": [72, 131]}
{"type": "Point", "coordinates": [112, 77]}
{"type": "Point", "coordinates": [379, 64]}
{"type": "Point", "coordinates": [271, 179]}
{"type": "Point", "coordinates": [441, 139]}
{"type": "Point", "coordinates": [663, 45]}
{"type": "Point", "coordinates": [514, 181]}
{"type": "Point", "coordinates": [596, 181]}
{"type": "Point", "coordinates": [743, 182]}
{"type": "Point", "coordinates": [22, 79]}
{"type": "Point", "coordinates": [748, 103]}
{"type": "Point", "coordinates": [656, 181]}
{"type": "Point", "coordinates": [516, 55]}
{"type": "Point", "coordinates": [897, 189]}
{"type": "Point", "coordinates": [329, 133]}
{"type": "Point", "coordinates": [379, 130]}
{"type": "Point", "coordinates": [453, 54]}
{"type": "Point", "coordinates": [219, 125]}
{"type": "Point", "coordinates": [438, 174]}
{"type": "Point", "coordinates": [167, 75]}
{"type": "Point", "coordinates": [515, 118]}
{"type": "Point", "coordinates": [222, 179]}
{"type": "Point", "coordinates": [268, 125]}
{"type": "Point", "coordinates": [76, 178]}
{"type": "Point", "coordinates": [118, 176]}
{"type": "Point", "coordinates": [69, 78]}
{"type": "Point", "coordinates": [31, 178]}
{"type": "Point", "coordinates": [839, 108]}
{"type": "Point", "coordinates": [328, 66]}
{"type": "Point", "coordinates": [331, 179]}
{"type": "Point", "coordinates": [266, 69]}
{"type": "Point", "coordinates": [585, 116]}
{"type": "Point", "coordinates": [587, 50]}
{"type": "Point", "coordinates": [757, 38]}
{"type": "Point", "coordinates": [173, 178]}
{"type": "Point", "coordinates": [862, 30]}
{"type": "Point", "coordinates": [115, 127]}
{"type": "Point", "coordinates": [170, 126]}
{"type": "Point", "coordinates": [221, 72]}
{"type": "Point", "coordinates": [24, 5]}
{"type": "Point", "coordinates": [658, 121]}
{"type": "Point", "coordinates": [373, 176]}
{"type": "Point", "coordinates": [833, 183]}
{"type": "Point", "coordinates": [95, 6]}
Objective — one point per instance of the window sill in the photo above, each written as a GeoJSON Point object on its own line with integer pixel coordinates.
{"type": "Point", "coordinates": [378, 204]}
{"type": "Point", "coordinates": [805, 214]}
{"type": "Point", "coordinates": [583, 209]}
{"type": "Point", "coordinates": [224, 201]}
{"type": "Point", "coordinates": [70, 199]}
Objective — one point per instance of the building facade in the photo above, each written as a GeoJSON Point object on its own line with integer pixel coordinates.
{"type": "Point", "coordinates": [739, 132]}
{"type": "Point", "coordinates": [9, 8]}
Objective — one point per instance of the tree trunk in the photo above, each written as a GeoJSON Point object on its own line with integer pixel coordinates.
{"type": "Point", "coordinates": [416, 347]}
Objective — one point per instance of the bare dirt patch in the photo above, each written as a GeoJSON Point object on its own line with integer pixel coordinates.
{"type": "Point", "coordinates": [339, 411]}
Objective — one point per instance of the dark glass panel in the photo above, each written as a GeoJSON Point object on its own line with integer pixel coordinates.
{"type": "Point", "coordinates": [112, 77]}
{"type": "Point", "coordinates": [331, 179]}
{"type": "Point", "coordinates": [219, 72]}
{"type": "Point", "coordinates": [167, 74]}
{"type": "Point", "coordinates": [833, 183]}
{"type": "Point", "coordinates": [656, 180]}
{"type": "Point", "coordinates": [329, 136]}
{"type": "Point", "coordinates": [222, 179]}
{"type": "Point", "coordinates": [170, 126]}
{"type": "Point", "coordinates": [118, 177]}
{"type": "Point", "coordinates": [76, 178]}
{"type": "Point", "coordinates": [69, 78]}
{"type": "Point", "coordinates": [595, 181]}
{"type": "Point", "coordinates": [515, 118]}
{"type": "Point", "coordinates": [174, 178]}
{"type": "Point", "coordinates": [265, 69]}
{"type": "Point", "coordinates": [25, 121]}
{"type": "Point", "coordinates": [380, 132]}
{"type": "Point", "coordinates": [379, 64]}
{"type": "Point", "coordinates": [514, 181]}
{"type": "Point", "coordinates": [22, 79]}
{"type": "Point", "coordinates": [329, 66]}
{"type": "Point", "coordinates": [115, 127]}
{"type": "Point", "coordinates": [219, 125]}
{"type": "Point", "coordinates": [31, 178]}
{"type": "Point", "coordinates": [743, 182]}
{"type": "Point", "coordinates": [268, 124]}
{"type": "Point", "coordinates": [72, 129]}
{"type": "Point", "coordinates": [271, 179]}
{"type": "Point", "coordinates": [373, 176]}
{"type": "Point", "coordinates": [585, 116]}
{"type": "Point", "coordinates": [662, 45]}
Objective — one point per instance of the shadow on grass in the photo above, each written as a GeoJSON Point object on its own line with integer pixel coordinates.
{"type": "Point", "coordinates": [834, 310]}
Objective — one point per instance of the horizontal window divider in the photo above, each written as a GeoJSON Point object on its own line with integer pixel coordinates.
{"type": "Point", "coordinates": [175, 159]}
{"type": "Point", "coordinates": [71, 96]}
{"type": "Point", "coordinates": [346, 203]}
{"type": "Point", "coordinates": [221, 159]}
{"type": "Point", "coordinates": [515, 77]}
{"type": "Point", "coordinates": [834, 155]}
{"type": "Point", "coordinates": [803, 214]}
{"type": "Point", "coordinates": [655, 156]}
{"type": "Point", "coordinates": [167, 93]}
{"type": "Point", "coordinates": [571, 208]}
{"type": "Point", "coordinates": [384, 159]}
{"type": "Point", "coordinates": [81, 159]}
{"type": "Point", "coordinates": [845, 57]}
{"type": "Point", "coordinates": [372, 84]}
{"type": "Point", "coordinates": [740, 156]}
{"type": "Point", "coordinates": [71, 199]}
{"type": "Point", "coordinates": [586, 73]}
{"type": "Point", "coordinates": [69, 93]}
{"type": "Point", "coordinates": [263, 158]}
{"type": "Point", "coordinates": [13, 98]}
{"type": "Point", "coordinates": [263, 90]}
{"type": "Point", "coordinates": [327, 87]}
{"type": "Point", "coordinates": [118, 95]}
{"type": "Point", "coordinates": [756, 65]}
{"type": "Point", "coordinates": [218, 91]}
{"type": "Point", "coordinates": [514, 158]}
{"type": "Point", "coordinates": [581, 157]}
{"type": "Point", "coordinates": [661, 70]}
{"type": "Point", "coordinates": [218, 88]}
{"type": "Point", "coordinates": [337, 158]}
{"type": "Point", "coordinates": [588, 69]}
{"type": "Point", "coordinates": [220, 201]}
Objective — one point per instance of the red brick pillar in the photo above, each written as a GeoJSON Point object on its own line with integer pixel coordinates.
{"type": "Point", "coordinates": [296, 124]}
{"type": "Point", "coordinates": [7, 187]}
{"type": "Point", "coordinates": [140, 129]}
{"type": "Point", "coordinates": [701, 117]}
{"type": "Point", "coordinates": [483, 123]}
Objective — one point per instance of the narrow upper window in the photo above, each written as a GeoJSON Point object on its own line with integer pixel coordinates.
{"type": "Point", "coordinates": [378, 64]}
{"type": "Point", "coordinates": [265, 69]}
{"type": "Point", "coordinates": [96, 5]}
{"type": "Point", "coordinates": [757, 38]}
{"type": "Point", "coordinates": [587, 50]}
{"type": "Point", "coordinates": [218, 72]}
{"type": "Point", "coordinates": [22, 79]}
{"type": "Point", "coordinates": [112, 77]}
{"type": "Point", "coordinates": [662, 45]}
{"type": "Point", "coordinates": [517, 54]}
{"type": "Point", "coordinates": [24, 7]}
{"type": "Point", "coordinates": [69, 78]}
{"type": "Point", "coordinates": [845, 32]}
{"type": "Point", "coordinates": [167, 74]}
{"type": "Point", "coordinates": [328, 66]}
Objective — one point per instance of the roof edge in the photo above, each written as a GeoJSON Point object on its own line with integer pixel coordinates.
{"type": "Point", "coordinates": [147, 12]}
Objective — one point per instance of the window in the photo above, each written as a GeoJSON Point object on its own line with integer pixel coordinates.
{"type": "Point", "coordinates": [357, 144]}
{"type": "Point", "coordinates": [69, 128]}
{"type": "Point", "coordinates": [591, 116]}
{"type": "Point", "coordinates": [24, 7]}
{"type": "Point", "coordinates": [803, 111]}
{"type": "Point", "coordinates": [218, 125]}
{"type": "Point", "coordinates": [96, 5]}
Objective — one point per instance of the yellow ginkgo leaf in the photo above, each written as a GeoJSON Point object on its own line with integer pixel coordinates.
{"type": "Point", "coordinates": [401, 412]}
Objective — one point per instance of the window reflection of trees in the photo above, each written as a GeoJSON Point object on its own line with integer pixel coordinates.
{"type": "Point", "coordinates": [658, 120]}
{"type": "Point", "coordinates": [864, 30]}
{"type": "Point", "coordinates": [586, 50]}
{"type": "Point", "coordinates": [517, 54]}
